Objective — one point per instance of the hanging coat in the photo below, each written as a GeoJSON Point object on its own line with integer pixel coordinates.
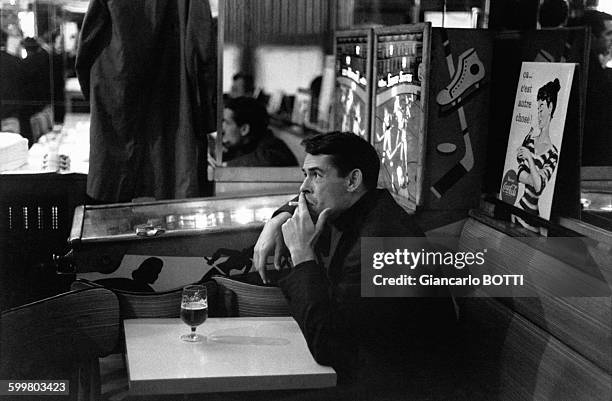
{"type": "Point", "coordinates": [148, 68]}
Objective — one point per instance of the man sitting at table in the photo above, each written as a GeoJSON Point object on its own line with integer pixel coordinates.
{"type": "Point", "coordinates": [367, 340]}
{"type": "Point", "coordinates": [247, 141]}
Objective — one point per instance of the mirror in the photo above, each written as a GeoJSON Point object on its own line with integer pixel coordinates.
{"type": "Point", "coordinates": [40, 95]}
{"type": "Point", "coordinates": [272, 52]}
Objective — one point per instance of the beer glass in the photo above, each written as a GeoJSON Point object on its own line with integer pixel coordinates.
{"type": "Point", "coordinates": [194, 310]}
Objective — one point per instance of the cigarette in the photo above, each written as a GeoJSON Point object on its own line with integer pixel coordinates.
{"type": "Point", "coordinates": [293, 203]}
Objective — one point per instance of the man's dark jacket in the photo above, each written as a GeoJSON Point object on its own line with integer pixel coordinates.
{"type": "Point", "coordinates": [365, 339]}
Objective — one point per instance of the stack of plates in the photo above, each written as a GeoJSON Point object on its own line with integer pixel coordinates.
{"type": "Point", "coordinates": [13, 151]}
{"type": "Point", "coordinates": [256, 300]}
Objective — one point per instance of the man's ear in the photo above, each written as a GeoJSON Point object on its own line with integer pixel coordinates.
{"type": "Point", "coordinates": [354, 180]}
{"type": "Point", "coordinates": [245, 129]}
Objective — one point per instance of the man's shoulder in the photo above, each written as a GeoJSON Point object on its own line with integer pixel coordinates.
{"type": "Point", "coordinates": [387, 218]}
{"type": "Point", "coordinates": [268, 139]}
{"type": "Point", "coordinates": [276, 151]}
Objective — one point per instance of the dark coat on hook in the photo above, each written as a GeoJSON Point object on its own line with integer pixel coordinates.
{"type": "Point", "coordinates": [148, 68]}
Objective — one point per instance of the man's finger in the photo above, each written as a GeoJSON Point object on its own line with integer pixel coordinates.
{"type": "Point", "coordinates": [260, 265]}
{"type": "Point", "coordinates": [256, 260]}
{"type": "Point", "coordinates": [212, 161]}
{"type": "Point", "coordinates": [285, 227]}
{"type": "Point", "coordinates": [278, 249]}
{"type": "Point", "coordinates": [302, 204]}
{"type": "Point", "coordinates": [262, 274]}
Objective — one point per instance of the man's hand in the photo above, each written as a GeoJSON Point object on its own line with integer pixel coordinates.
{"type": "Point", "coordinates": [270, 240]}
{"type": "Point", "coordinates": [301, 234]}
{"type": "Point", "coordinates": [213, 162]}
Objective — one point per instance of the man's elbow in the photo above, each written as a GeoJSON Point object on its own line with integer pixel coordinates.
{"type": "Point", "coordinates": [320, 352]}
{"type": "Point", "coordinates": [321, 356]}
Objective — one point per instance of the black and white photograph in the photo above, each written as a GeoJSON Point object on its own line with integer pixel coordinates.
{"type": "Point", "coordinates": [296, 200]}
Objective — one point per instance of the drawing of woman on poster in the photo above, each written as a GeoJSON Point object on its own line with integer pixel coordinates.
{"type": "Point", "coordinates": [537, 157]}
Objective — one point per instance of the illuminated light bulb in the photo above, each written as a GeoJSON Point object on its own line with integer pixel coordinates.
{"type": "Point", "coordinates": [348, 60]}
{"type": "Point", "coordinates": [357, 50]}
{"type": "Point", "coordinates": [404, 63]}
{"type": "Point", "coordinates": [391, 50]}
{"type": "Point", "coordinates": [200, 220]}
{"type": "Point", "coordinates": [264, 214]}
{"type": "Point", "coordinates": [243, 216]}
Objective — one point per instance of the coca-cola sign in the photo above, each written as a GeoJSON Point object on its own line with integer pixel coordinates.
{"type": "Point", "coordinates": [509, 188]}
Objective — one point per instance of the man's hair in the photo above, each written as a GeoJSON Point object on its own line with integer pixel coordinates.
{"type": "Point", "coordinates": [249, 111]}
{"type": "Point", "coordinates": [348, 152]}
{"type": "Point", "coordinates": [248, 81]}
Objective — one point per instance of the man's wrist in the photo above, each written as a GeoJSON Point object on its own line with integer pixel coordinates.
{"type": "Point", "coordinates": [301, 256]}
{"type": "Point", "coordinates": [281, 217]}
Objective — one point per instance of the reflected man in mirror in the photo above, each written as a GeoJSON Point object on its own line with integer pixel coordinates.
{"type": "Point", "coordinates": [247, 141]}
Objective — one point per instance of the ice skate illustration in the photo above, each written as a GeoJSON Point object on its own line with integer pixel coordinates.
{"type": "Point", "coordinates": [470, 71]}
{"type": "Point", "coordinates": [465, 165]}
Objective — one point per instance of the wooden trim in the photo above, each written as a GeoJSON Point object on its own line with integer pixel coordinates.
{"type": "Point", "coordinates": [596, 173]}
{"type": "Point", "coordinates": [588, 230]}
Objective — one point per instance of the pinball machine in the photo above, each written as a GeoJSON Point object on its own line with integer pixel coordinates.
{"type": "Point", "coordinates": [102, 235]}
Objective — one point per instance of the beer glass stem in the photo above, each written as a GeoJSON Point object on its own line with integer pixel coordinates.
{"type": "Point", "coordinates": [193, 332]}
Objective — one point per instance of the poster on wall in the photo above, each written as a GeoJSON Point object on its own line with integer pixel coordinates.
{"type": "Point", "coordinates": [536, 134]}
{"type": "Point", "coordinates": [400, 76]}
{"type": "Point", "coordinates": [351, 101]}
{"type": "Point", "coordinates": [559, 45]}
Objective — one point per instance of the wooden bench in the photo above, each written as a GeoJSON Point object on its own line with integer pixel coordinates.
{"type": "Point", "coordinates": [537, 348]}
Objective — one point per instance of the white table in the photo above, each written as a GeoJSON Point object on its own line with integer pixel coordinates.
{"type": "Point", "coordinates": [240, 354]}
{"type": "Point", "coordinates": [73, 142]}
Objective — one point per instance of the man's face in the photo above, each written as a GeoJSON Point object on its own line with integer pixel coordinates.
{"type": "Point", "coordinates": [232, 133]}
{"type": "Point", "coordinates": [323, 187]}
